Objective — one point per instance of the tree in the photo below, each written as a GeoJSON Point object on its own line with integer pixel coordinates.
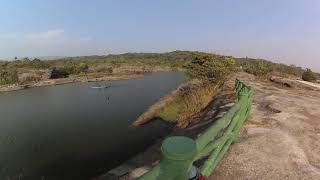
{"type": "Point", "coordinates": [210, 67]}
{"type": "Point", "coordinates": [26, 59]}
{"type": "Point", "coordinates": [259, 68]}
{"type": "Point", "coordinates": [308, 75]}
{"type": "Point", "coordinates": [58, 73]}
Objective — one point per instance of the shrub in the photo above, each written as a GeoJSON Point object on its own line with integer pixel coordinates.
{"type": "Point", "coordinates": [104, 69]}
{"type": "Point", "coordinates": [8, 76]}
{"type": "Point", "coordinates": [308, 75]}
{"type": "Point", "coordinates": [29, 77]}
{"type": "Point", "coordinates": [82, 74]}
{"type": "Point", "coordinates": [58, 73]}
{"type": "Point", "coordinates": [110, 70]}
{"type": "Point", "coordinates": [100, 69]}
{"type": "Point", "coordinates": [210, 67]}
{"type": "Point", "coordinates": [82, 67]}
{"type": "Point", "coordinates": [259, 68]}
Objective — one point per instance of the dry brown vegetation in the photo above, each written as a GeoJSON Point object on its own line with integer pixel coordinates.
{"type": "Point", "coordinates": [206, 72]}
{"type": "Point", "coordinates": [181, 104]}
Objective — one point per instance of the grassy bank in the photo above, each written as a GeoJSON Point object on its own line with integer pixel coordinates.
{"type": "Point", "coordinates": [184, 107]}
{"type": "Point", "coordinates": [181, 104]}
{"type": "Point", "coordinates": [206, 73]}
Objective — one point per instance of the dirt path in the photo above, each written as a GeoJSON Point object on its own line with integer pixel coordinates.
{"type": "Point", "coordinates": [310, 84]}
{"type": "Point", "coordinates": [281, 139]}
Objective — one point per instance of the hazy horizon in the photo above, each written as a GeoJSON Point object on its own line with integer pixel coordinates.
{"type": "Point", "coordinates": [280, 31]}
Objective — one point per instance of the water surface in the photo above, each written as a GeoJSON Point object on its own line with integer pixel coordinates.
{"type": "Point", "coordinates": [74, 132]}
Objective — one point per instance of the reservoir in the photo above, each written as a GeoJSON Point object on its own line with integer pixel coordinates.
{"type": "Point", "coordinates": [72, 131]}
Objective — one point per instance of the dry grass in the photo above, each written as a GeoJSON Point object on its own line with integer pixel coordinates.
{"type": "Point", "coordinates": [153, 111]}
{"type": "Point", "coordinates": [193, 102]}
{"type": "Point", "coordinates": [182, 104]}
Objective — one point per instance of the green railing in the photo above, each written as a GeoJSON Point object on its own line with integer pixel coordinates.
{"type": "Point", "coordinates": [179, 153]}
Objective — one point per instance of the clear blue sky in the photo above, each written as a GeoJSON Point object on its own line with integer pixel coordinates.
{"type": "Point", "coordinates": [281, 30]}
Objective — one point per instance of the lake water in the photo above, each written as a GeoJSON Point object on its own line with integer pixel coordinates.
{"type": "Point", "coordinates": [74, 132]}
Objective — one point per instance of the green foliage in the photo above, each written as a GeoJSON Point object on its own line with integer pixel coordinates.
{"type": "Point", "coordinates": [288, 70]}
{"type": "Point", "coordinates": [76, 65]}
{"type": "Point", "coordinates": [82, 67]}
{"type": "Point", "coordinates": [308, 75]}
{"type": "Point", "coordinates": [199, 65]}
{"type": "Point", "coordinates": [260, 67]}
{"type": "Point", "coordinates": [8, 76]}
{"type": "Point", "coordinates": [36, 60]}
{"type": "Point", "coordinates": [26, 59]}
{"type": "Point", "coordinates": [213, 68]}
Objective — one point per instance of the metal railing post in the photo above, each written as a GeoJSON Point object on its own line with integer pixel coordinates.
{"type": "Point", "coordinates": [178, 153]}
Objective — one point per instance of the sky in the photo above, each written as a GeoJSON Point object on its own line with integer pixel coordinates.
{"type": "Point", "coordinates": [285, 31]}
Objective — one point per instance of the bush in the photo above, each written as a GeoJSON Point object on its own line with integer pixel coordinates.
{"type": "Point", "coordinates": [82, 67]}
{"type": "Point", "coordinates": [104, 69]}
{"type": "Point", "coordinates": [210, 67]}
{"type": "Point", "coordinates": [308, 75]}
{"type": "Point", "coordinates": [29, 77]}
{"type": "Point", "coordinates": [8, 76]}
{"type": "Point", "coordinates": [58, 73]}
{"type": "Point", "coordinates": [259, 68]}
{"type": "Point", "coordinates": [109, 70]}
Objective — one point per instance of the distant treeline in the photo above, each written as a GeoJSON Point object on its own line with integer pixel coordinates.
{"type": "Point", "coordinates": [265, 68]}
{"type": "Point", "coordinates": [176, 58]}
{"type": "Point", "coordinates": [9, 70]}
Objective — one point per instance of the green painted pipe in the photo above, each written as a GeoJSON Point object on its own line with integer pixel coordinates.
{"type": "Point", "coordinates": [178, 153]}
{"type": "Point", "coordinates": [212, 131]}
{"type": "Point", "coordinates": [206, 168]}
{"type": "Point", "coordinates": [212, 145]}
{"type": "Point", "coordinates": [210, 164]}
{"type": "Point", "coordinates": [217, 157]}
{"type": "Point", "coordinates": [234, 129]}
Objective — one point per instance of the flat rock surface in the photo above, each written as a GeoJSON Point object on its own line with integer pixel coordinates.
{"type": "Point", "coordinates": [282, 144]}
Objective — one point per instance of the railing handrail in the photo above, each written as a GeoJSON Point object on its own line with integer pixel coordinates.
{"type": "Point", "coordinates": [176, 160]}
